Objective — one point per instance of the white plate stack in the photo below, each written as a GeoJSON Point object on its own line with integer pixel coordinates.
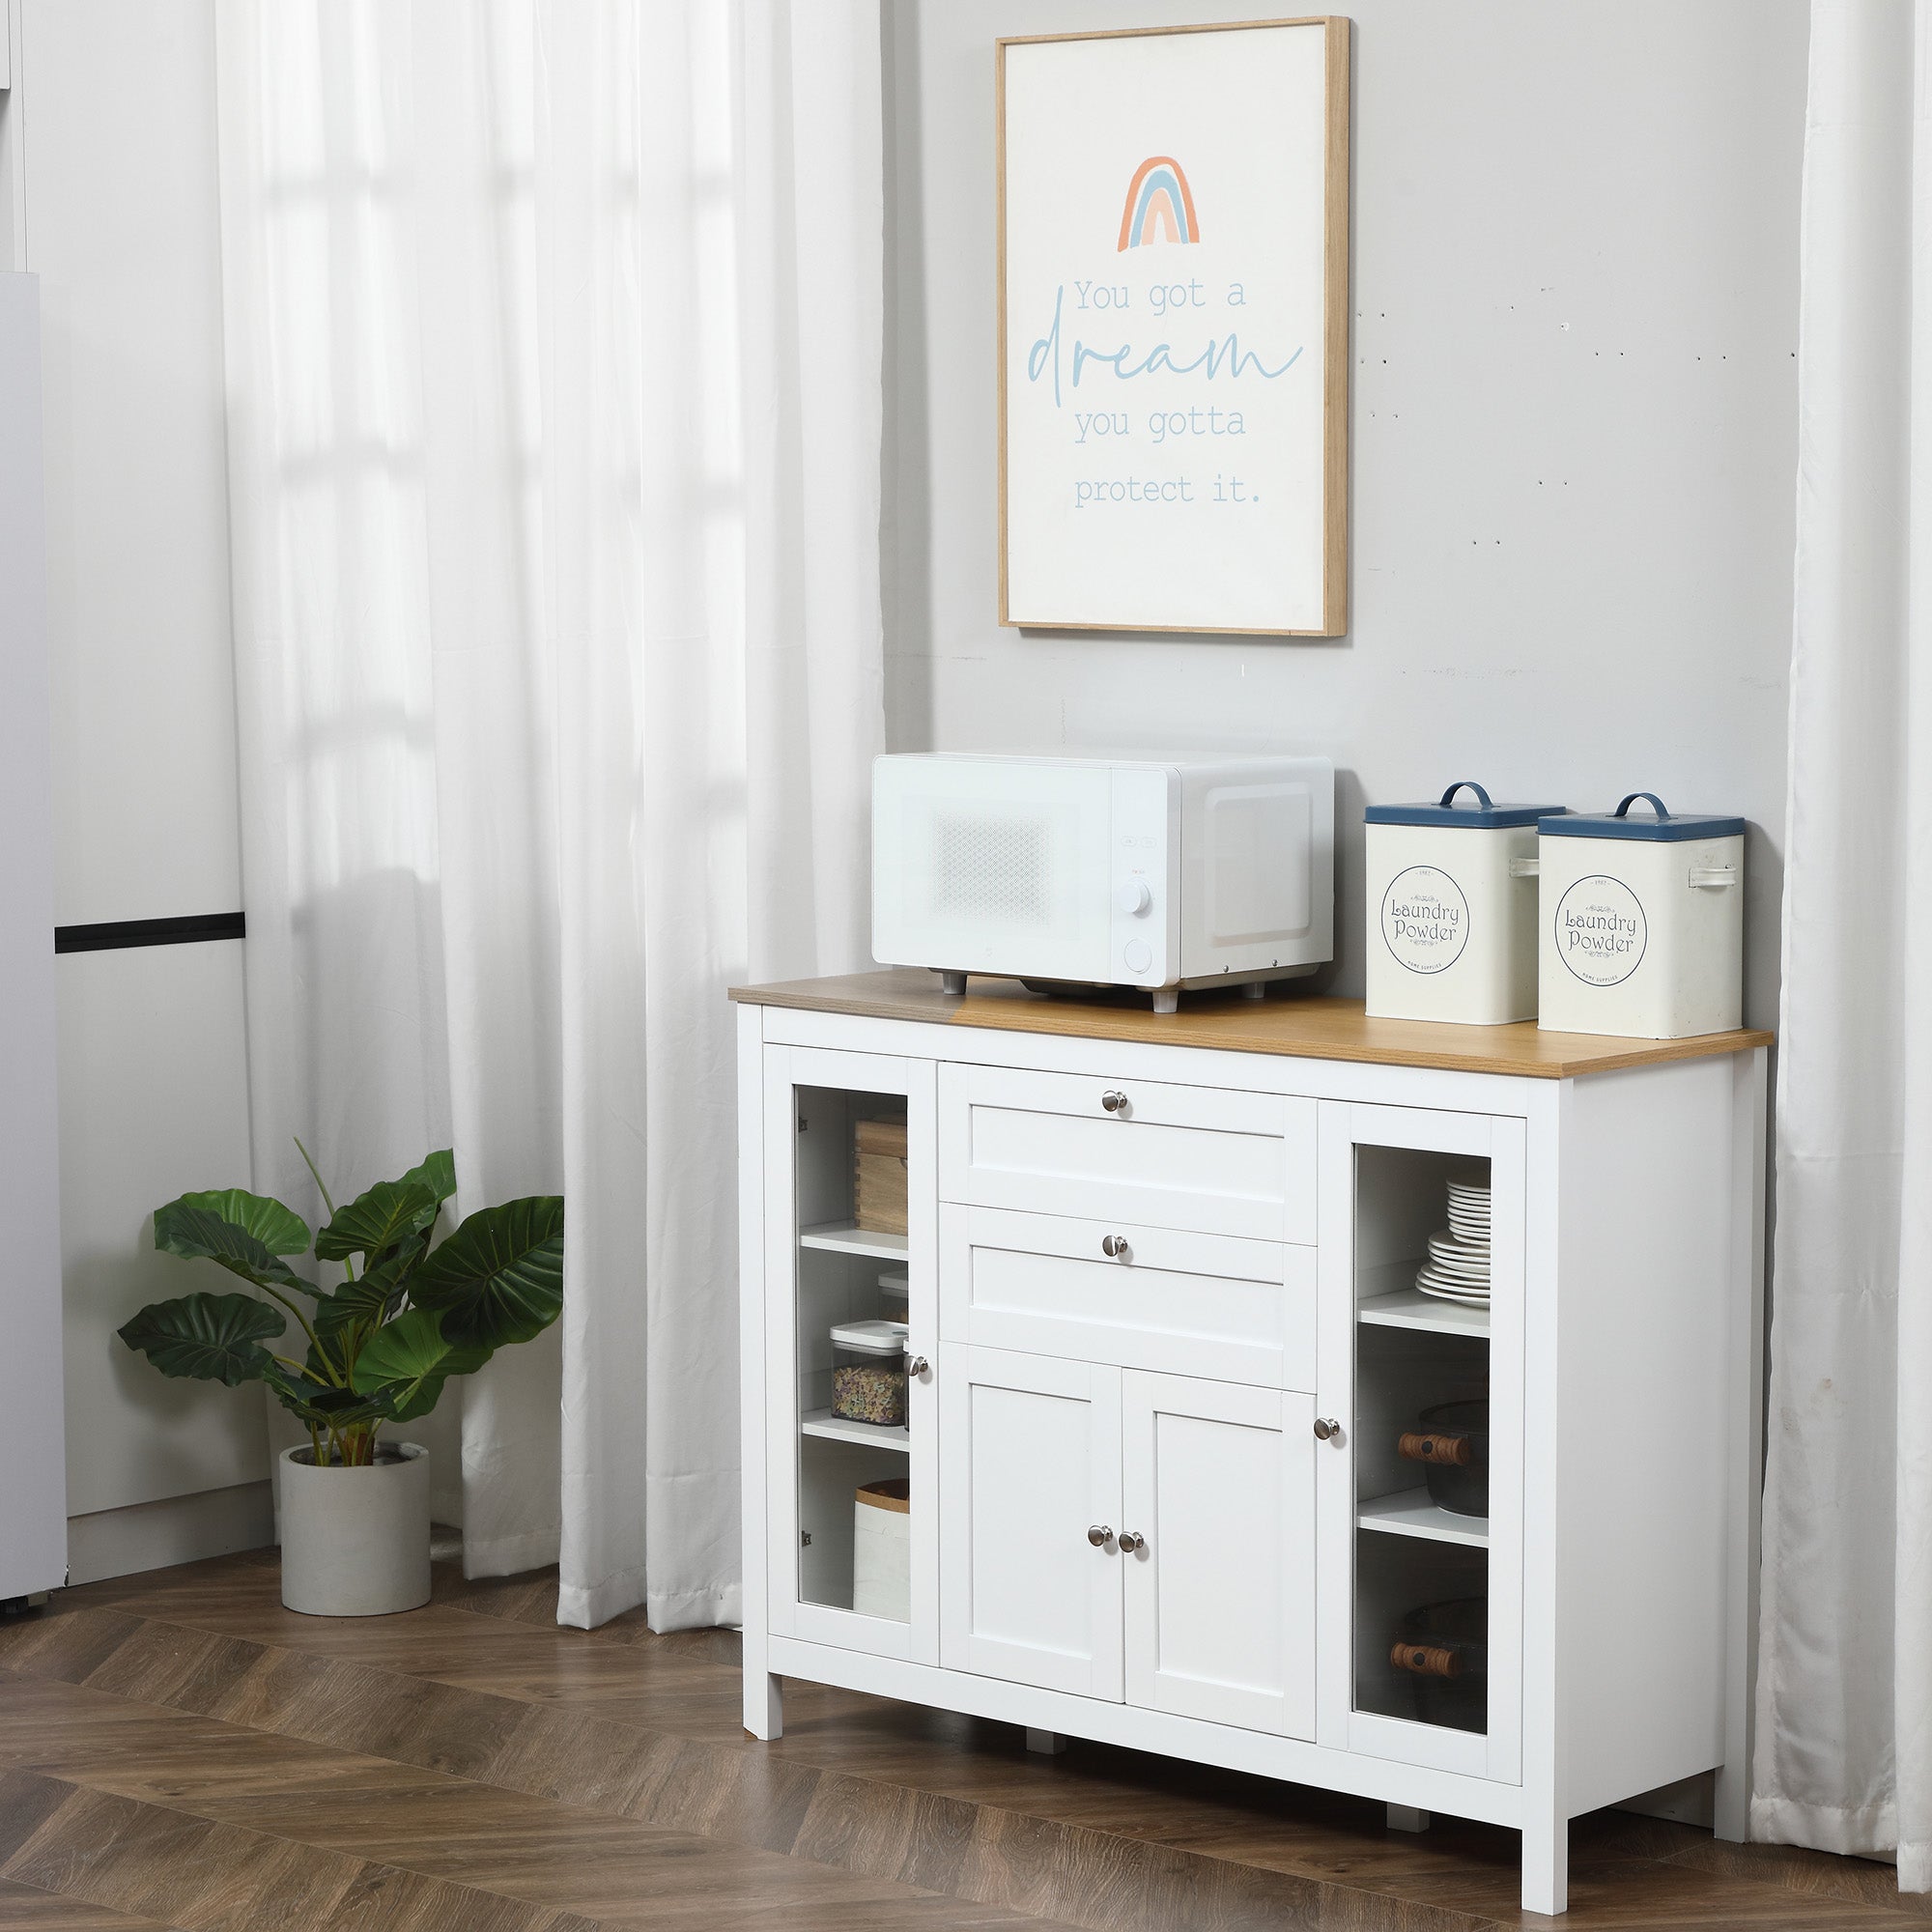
{"type": "Point", "coordinates": [1457, 1267]}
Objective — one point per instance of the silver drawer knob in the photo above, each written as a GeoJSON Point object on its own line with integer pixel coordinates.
{"type": "Point", "coordinates": [1100, 1535]}
{"type": "Point", "coordinates": [1132, 1539]}
{"type": "Point", "coordinates": [1328, 1428]}
{"type": "Point", "coordinates": [1114, 1247]}
{"type": "Point", "coordinates": [1113, 1101]}
{"type": "Point", "coordinates": [918, 1366]}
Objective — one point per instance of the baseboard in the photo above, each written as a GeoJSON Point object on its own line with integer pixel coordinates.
{"type": "Point", "coordinates": [178, 1530]}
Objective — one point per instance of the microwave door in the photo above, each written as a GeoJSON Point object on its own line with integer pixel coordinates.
{"type": "Point", "coordinates": [1003, 868]}
{"type": "Point", "coordinates": [1259, 870]}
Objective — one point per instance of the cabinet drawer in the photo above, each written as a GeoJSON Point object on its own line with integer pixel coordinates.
{"type": "Point", "coordinates": [1207, 1159]}
{"type": "Point", "coordinates": [1206, 1305]}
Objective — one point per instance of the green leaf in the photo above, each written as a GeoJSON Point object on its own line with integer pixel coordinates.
{"type": "Point", "coordinates": [392, 1211]}
{"type": "Point", "coordinates": [320, 1367]}
{"type": "Point", "coordinates": [284, 1393]}
{"type": "Point", "coordinates": [296, 1394]}
{"type": "Point", "coordinates": [370, 1297]}
{"type": "Point", "coordinates": [213, 1338]}
{"type": "Point", "coordinates": [186, 1229]}
{"type": "Point", "coordinates": [500, 1277]}
{"type": "Point", "coordinates": [409, 1360]}
{"type": "Point", "coordinates": [281, 1230]}
{"type": "Point", "coordinates": [438, 1174]}
{"type": "Point", "coordinates": [318, 1407]}
{"type": "Point", "coordinates": [344, 1408]}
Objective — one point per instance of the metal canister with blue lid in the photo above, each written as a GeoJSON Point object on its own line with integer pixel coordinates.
{"type": "Point", "coordinates": [1643, 922]}
{"type": "Point", "coordinates": [1452, 908]}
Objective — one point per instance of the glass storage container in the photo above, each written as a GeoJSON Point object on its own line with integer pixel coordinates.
{"type": "Point", "coordinates": [868, 1374]}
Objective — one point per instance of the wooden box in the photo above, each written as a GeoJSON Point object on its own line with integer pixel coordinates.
{"type": "Point", "coordinates": [879, 1176]}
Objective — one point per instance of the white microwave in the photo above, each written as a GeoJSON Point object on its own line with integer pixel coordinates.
{"type": "Point", "coordinates": [1104, 872]}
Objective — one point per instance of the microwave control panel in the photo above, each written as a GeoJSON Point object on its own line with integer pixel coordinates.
{"type": "Point", "coordinates": [1144, 890]}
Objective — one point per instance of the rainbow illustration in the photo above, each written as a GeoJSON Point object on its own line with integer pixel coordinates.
{"type": "Point", "coordinates": [1160, 206]}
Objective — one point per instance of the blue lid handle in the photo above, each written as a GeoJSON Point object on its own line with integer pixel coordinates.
{"type": "Point", "coordinates": [1623, 810]}
{"type": "Point", "coordinates": [1470, 784]}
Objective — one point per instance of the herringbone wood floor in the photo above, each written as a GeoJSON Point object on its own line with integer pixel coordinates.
{"type": "Point", "coordinates": [177, 1750]}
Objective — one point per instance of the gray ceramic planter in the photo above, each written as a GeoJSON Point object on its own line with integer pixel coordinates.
{"type": "Point", "coordinates": [356, 1542]}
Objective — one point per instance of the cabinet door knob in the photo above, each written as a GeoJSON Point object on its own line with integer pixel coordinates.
{"type": "Point", "coordinates": [1132, 1539]}
{"type": "Point", "coordinates": [918, 1366]}
{"type": "Point", "coordinates": [1113, 1101]}
{"type": "Point", "coordinates": [1114, 1247]}
{"type": "Point", "coordinates": [1328, 1428]}
{"type": "Point", "coordinates": [1100, 1535]}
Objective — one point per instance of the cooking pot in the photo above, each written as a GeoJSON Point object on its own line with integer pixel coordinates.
{"type": "Point", "coordinates": [1443, 1651]}
{"type": "Point", "coordinates": [1452, 1443]}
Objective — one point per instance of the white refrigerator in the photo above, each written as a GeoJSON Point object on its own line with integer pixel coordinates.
{"type": "Point", "coordinates": [33, 1495]}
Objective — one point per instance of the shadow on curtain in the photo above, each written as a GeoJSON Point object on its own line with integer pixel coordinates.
{"type": "Point", "coordinates": [552, 338]}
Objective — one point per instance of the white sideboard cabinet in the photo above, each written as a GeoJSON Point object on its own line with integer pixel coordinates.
{"type": "Point", "coordinates": [1164, 1342]}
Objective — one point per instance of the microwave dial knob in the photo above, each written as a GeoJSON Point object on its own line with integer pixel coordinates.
{"type": "Point", "coordinates": [1138, 954]}
{"type": "Point", "coordinates": [1134, 896]}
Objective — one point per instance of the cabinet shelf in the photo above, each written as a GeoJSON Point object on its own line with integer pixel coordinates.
{"type": "Point", "coordinates": [874, 1434]}
{"type": "Point", "coordinates": [1410, 1513]}
{"type": "Point", "coordinates": [1411, 1308]}
{"type": "Point", "coordinates": [842, 1237]}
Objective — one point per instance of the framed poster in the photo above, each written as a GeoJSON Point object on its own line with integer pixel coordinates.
{"type": "Point", "coordinates": [1174, 329]}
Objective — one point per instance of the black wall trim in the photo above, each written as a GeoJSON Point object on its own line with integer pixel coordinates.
{"type": "Point", "coordinates": [120, 933]}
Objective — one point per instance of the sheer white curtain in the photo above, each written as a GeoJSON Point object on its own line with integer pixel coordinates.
{"type": "Point", "coordinates": [554, 342]}
{"type": "Point", "coordinates": [1844, 1740]}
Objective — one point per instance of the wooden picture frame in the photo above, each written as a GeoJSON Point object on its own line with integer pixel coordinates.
{"type": "Point", "coordinates": [1269, 122]}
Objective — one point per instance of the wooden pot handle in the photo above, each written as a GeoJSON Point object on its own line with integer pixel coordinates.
{"type": "Point", "coordinates": [1426, 1660]}
{"type": "Point", "coordinates": [1449, 1450]}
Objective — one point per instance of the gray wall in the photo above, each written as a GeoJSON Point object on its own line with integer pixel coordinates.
{"type": "Point", "coordinates": [1575, 428]}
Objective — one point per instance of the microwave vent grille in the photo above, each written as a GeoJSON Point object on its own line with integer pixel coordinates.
{"type": "Point", "coordinates": [991, 865]}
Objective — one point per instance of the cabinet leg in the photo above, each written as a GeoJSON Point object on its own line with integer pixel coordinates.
{"type": "Point", "coordinates": [764, 1705]}
{"type": "Point", "coordinates": [1730, 1810]}
{"type": "Point", "coordinates": [1050, 1744]}
{"type": "Point", "coordinates": [1406, 1818]}
{"type": "Point", "coordinates": [1545, 1867]}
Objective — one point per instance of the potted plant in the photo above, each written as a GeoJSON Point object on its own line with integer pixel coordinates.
{"type": "Point", "coordinates": [378, 1349]}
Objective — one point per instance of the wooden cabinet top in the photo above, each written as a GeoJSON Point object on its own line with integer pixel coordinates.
{"type": "Point", "coordinates": [1295, 1025]}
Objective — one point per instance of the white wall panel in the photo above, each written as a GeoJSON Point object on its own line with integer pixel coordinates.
{"type": "Point", "coordinates": [110, 135]}
{"type": "Point", "coordinates": [30, 1424]}
{"type": "Point", "coordinates": [154, 1101]}
{"type": "Point", "coordinates": [123, 225]}
{"type": "Point", "coordinates": [179, 1529]}
{"type": "Point", "coordinates": [12, 177]}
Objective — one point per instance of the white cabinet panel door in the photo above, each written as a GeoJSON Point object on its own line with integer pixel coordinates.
{"type": "Point", "coordinates": [1382, 1174]}
{"type": "Point", "coordinates": [1220, 1481]}
{"type": "Point", "coordinates": [1205, 1159]}
{"type": "Point", "coordinates": [1029, 1461]}
{"type": "Point", "coordinates": [812, 1468]}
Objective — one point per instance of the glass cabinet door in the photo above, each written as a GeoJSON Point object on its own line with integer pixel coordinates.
{"type": "Point", "coordinates": [1420, 1420]}
{"type": "Point", "coordinates": [851, 1326]}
